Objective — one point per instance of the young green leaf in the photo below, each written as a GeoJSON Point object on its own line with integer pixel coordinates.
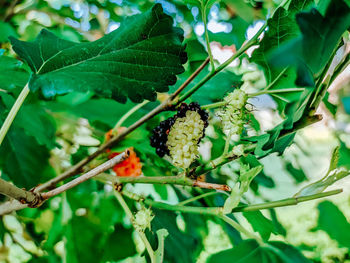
{"type": "Point", "coordinates": [137, 60]}
{"type": "Point", "coordinates": [333, 175]}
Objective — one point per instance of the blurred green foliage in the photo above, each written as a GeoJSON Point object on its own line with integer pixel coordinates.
{"type": "Point", "coordinates": [86, 224]}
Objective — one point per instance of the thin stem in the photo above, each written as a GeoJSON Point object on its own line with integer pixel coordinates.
{"type": "Point", "coordinates": [227, 144]}
{"type": "Point", "coordinates": [321, 88]}
{"type": "Point", "coordinates": [190, 79]}
{"type": "Point", "coordinates": [185, 209]}
{"type": "Point", "coordinates": [99, 169]}
{"type": "Point", "coordinates": [219, 210]}
{"type": "Point", "coordinates": [285, 202]}
{"type": "Point", "coordinates": [13, 112]}
{"type": "Point", "coordinates": [206, 34]}
{"type": "Point", "coordinates": [176, 180]}
{"type": "Point", "coordinates": [253, 41]}
{"type": "Point", "coordinates": [214, 105]}
{"type": "Point", "coordinates": [132, 219]}
{"type": "Point", "coordinates": [275, 91]}
{"type": "Point", "coordinates": [241, 229]}
{"type": "Point", "coordinates": [129, 113]}
{"type": "Point", "coordinates": [195, 198]}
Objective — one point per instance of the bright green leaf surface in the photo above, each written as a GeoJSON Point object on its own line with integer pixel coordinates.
{"type": "Point", "coordinates": [141, 57]}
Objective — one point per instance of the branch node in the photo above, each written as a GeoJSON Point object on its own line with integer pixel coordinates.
{"type": "Point", "coordinates": [118, 187]}
{"type": "Point", "coordinates": [36, 202]}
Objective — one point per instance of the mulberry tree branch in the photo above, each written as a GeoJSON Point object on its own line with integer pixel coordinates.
{"type": "Point", "coordinates": [23, 199]}
{"type": "Point", "coordinates": [99, 169]}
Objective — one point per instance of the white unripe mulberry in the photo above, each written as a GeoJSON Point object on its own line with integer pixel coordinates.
{"type": "Point", "coordinates": [143, 219]}
{"type": "Point", "coordinates": [232, 116]}
{"type": "Point", "coordinates": [183, 139]}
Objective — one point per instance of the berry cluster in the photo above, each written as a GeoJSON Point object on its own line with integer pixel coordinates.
{"type": "Point", "coordinates": [180, 135]}
{"type": "Point", "coordinates": [232, 116]}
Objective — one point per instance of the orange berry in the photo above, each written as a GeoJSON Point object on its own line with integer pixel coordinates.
{"type": "Point", "coordinates": [128, 167]}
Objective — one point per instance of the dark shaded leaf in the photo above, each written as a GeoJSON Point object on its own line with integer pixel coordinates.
{"type": "Point", "coordinates": [23, 160]}
{"type": "Point", "coordinates": [298, 174]}
{"type": "Point", "coordinates": [310, 52]}
{"type": "Point", "coordinates": [249, 251]}
{"type": "Point", "coordinates": [179, 246]}
{"type": "Point", "coordinates": [13, 73]}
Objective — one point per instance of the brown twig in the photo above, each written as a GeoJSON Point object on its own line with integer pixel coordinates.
{"type": "Point", "coordinates": [99, 169]}
{"type": "Point", "coordinates": [206, 185]}
{"type": "Point", "coordinates": [34, 199]}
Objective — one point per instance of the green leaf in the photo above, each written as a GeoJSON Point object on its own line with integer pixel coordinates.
{"type": "Point", "coordinates": [344, 159]}
{"type": "Point", "coordinates": [332, 108]}
{"type": "Point", "coordinates": [119, 245]}
{"type": "Point", "coordinates": [260, 224]}
{"type": "Point", "coordinates": [298, 174]}
{"type": "Point", "coordinates": [34, 120]}
{"type": "Point", "coordinates": [288, 253]}
{"type": "Point", "coordinates": [23, 160]}
{"type": "Point", "coordinates": [282, 27]}
{"type": "Point", "coordinates": [137, 60]}
{"type": "Point", "coordinates": [248, 251]}
{"type": "Point", "coordinates": [332, 221]}
{"type": "Point", "coordinates": [25, 150]}
{"type": "Point", "coordinates": [13, 73]}
{"type": "Point", "coordinates": [6, 30]}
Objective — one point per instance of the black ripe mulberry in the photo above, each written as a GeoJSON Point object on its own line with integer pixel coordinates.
{"type": "Point", "coordinates": [180, 135]}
